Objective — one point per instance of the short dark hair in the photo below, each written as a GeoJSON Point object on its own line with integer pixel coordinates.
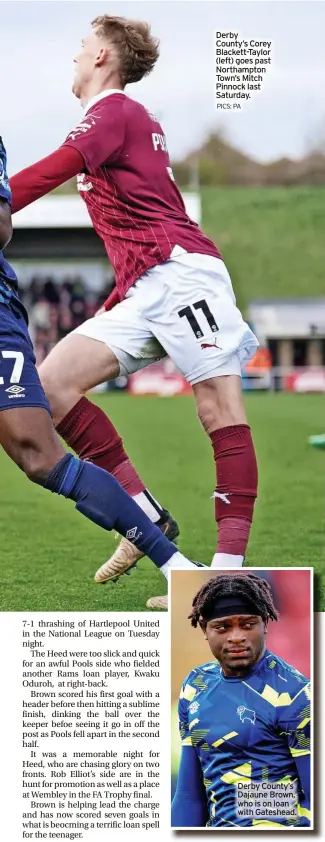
{"type": "Point", "coordinates": [138, 50]}
{"type": "Point", "coordinates": [256, 590]}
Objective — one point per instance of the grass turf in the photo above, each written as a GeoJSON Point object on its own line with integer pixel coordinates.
{"type": "Point", "coordinates": [49, 553]}
{"type": "Point", "coordinates": [270, 238]}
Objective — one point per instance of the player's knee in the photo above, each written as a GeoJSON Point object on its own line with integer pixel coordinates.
{"type": "Point", "coordinates": [214, 414]}
{"type": "Point", "coordinates": [218, 408]}
{"type": "Point", "coordinates": [207, 411]}
{"type": "Point", "coordinates": [35, 455]}
{"type": "Point", "coordinates": [33, 461]}
{"type": "Point", "coordinates": [36, 470]}
{"type": "Point", "coordinates": [214, 417]}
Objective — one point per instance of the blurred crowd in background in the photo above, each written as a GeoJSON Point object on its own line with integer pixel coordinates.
{"type": "Point", "coordinates": [55, 309]}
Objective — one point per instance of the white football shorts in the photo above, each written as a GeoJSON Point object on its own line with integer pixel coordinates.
{"type": "Point", "coordinates": [185, 308]}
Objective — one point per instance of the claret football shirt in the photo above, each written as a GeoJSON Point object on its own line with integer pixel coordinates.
{"type": "Point", "coordinates": [128, 187]}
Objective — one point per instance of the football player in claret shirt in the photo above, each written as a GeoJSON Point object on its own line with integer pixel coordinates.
{"type": "Point", "coordinates": [244, 718]}
{"type": "Point", "coordinates": [173, 294]}
{"type": "Point", "coordinates": [27, 433]}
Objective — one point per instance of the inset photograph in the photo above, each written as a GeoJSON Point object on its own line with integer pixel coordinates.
{"type": "Point", "coordinates": [241, 665]}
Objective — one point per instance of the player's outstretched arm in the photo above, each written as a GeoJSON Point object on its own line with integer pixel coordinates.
{"type": "Point", "coordinates": [39, 179]}
{"type": "Point", "coordinates": [189, 807]}
{"type": "Point", "coordinates": [97, 138]}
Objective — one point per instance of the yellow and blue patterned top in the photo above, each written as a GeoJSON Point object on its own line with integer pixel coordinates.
{"type": "Point", "coordinates": [245, 731]}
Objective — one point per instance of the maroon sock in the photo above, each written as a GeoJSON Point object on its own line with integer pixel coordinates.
{"type": "Point", "coordinates": [90, 433]}
{"type": "Point", "coordinates": [236, 466]}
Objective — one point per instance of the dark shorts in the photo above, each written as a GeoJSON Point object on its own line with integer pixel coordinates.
{"type": "Point", "coordinates": [19, 381]}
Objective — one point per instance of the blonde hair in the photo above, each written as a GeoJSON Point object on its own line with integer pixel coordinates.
{"type": "Point", "coordinates": [137, 50]}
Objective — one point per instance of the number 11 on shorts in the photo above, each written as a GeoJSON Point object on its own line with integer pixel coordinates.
{"type": "Point", "coordinates": [187, 313]}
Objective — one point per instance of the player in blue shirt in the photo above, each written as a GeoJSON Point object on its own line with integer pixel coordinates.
{"type": "Point", "coordinates": [27, 433]}
{"type": "Point", "coordinates": [244, 718]}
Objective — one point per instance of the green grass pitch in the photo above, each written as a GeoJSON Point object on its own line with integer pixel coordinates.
{"type": "Point", "coordinates": [271, 239]}
{"type": "Point", "coordinates": [49, 553]}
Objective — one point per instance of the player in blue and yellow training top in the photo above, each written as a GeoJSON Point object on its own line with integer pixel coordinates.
{"type": "Point", "coordinates": [244, 718]}
{"type": "Point", "coordinates": [27, 433]}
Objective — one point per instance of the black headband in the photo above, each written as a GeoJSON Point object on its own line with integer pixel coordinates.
{"type": "Point", "coordinates": [226, 606]}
